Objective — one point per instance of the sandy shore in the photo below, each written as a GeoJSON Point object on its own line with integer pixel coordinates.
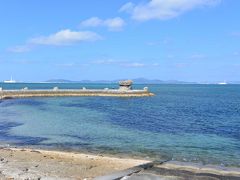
{"type": "Point", "coordinates": [41, 164]}
{"type": "Point", "coordinates": [19, 163]}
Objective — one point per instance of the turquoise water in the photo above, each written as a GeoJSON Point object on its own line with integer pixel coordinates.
{"type": "Point", "coordinates": [194, 123]}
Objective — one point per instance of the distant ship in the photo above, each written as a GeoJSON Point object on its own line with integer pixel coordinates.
{"type": "Point", "coordinates": [222, 83]}
{"type": "Point", "coordinates": [10, 81]}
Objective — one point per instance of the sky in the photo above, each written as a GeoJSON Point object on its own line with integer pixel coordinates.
{"type": "Point", "coordinates": [187, 40]}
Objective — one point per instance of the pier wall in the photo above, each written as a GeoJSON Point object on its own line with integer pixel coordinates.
{"type": "Point", "coordinates": [4, 94]}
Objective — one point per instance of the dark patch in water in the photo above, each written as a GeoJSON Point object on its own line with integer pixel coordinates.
{"type": "Point", "coordinates": [5, 114]}
{"type": "Point", "coordinates": [7, 98]}
{"type": "Point", "coordinates": [18, 140]}
{"type": "Point", "coordinates": [67, 145]}
{"type": "Point", "coordinates": [27, 102]}
{"type": "Point", "coordinates": [162, 114]}
{"type": "Point", "coordinates": [26, 140]}
{"type": "Point", "coordinates": [5, 126]}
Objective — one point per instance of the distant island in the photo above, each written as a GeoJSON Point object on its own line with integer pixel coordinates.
{"type": "Point", "coordinates": [139, 81]}
{"type": "Point", "coordinates": [136, 81]}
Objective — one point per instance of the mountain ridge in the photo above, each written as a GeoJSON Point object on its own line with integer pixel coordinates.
{"type": "Point", "coordinates": [136, 81]}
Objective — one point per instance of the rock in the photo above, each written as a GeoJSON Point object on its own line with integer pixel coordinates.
{"type": "Point", "coordinates": [125, 85]}
{"type": "Point", "coordinates": [25, 89]}
{"type": "Point", "coordinates": [25, 169]}
{"type": "Point", "coordinates": [145, 88]}
{"type": "Point", "coordinates": [55, 88]}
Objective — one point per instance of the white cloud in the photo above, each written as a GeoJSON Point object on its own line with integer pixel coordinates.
{"type": "Point", "coordinates": [65, 37]}
{"type": "Point", "coordinates": [164, 9]}
{"type": "Point", "coordinates": [139, 65]}
{"type": "Point", "coordinates": [19, 49]}
{"type": "Point", "coordinates": [66, 64]}
{"type": "Point", "coordinates": [126, 64]}
{"type": "Point", "coordinates": [71, 65]}
{"type": "Point", "coordinates": [134, 65]}
{"type": "Point", "coordinates": [113, 24]}
{"type": "Point", "coordinates": [92, 22]}
{"type": "Point", "coordinates": [60, 38]}
{"type": "Point", "coordinates": [127, 7]}
{"type": "Point", "coordinates": [105, 61]}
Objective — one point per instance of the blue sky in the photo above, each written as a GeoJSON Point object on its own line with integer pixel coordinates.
{"type": "Point", "coordinates": [197, 40]}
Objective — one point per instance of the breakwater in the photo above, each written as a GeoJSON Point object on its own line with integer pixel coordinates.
{"type": "Point", "coordinates": [55, 92]}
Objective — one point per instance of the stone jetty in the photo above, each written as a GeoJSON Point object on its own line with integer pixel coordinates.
{"type": "Point", "coordinates": [125, 90]}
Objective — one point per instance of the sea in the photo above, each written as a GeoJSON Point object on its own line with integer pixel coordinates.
{"type": "Point", "coordinates": [186, 123]}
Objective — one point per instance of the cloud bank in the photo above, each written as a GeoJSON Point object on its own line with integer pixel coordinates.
{"type": "Point", "coordinates": [126, 64]}
{"type": "Point", "coordinates": [164, 9]}
{"type": "Point", "coordinates": [61, 38]}
{"type": "Point", "coordinates": [65, 37]}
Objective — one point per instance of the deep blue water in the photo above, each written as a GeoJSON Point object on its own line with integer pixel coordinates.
{"type": "Point", "coordinates": [199, 123]}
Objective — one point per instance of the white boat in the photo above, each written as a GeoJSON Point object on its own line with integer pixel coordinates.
{"type": "Point", "coordinates": [10, 81]}
{"type": "Point", "coordinates": [222, 83]}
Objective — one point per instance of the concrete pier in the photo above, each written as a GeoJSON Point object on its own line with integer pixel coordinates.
{"type": "Point", "coordinates": [56, 92]}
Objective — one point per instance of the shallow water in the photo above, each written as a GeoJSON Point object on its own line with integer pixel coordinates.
{"type": "Point", "coordinates": [196, 123]}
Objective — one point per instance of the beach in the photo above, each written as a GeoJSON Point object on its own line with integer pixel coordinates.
{"type": "Point", "coordinates": [19, 163]}
{"type": "Point", "coordinates": [24, 163]}
{"type": "Point", "coordinates": [188, 126]}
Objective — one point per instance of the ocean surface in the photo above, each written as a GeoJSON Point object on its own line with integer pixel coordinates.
{"type": "Point", "coordinates": [193, 123]}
